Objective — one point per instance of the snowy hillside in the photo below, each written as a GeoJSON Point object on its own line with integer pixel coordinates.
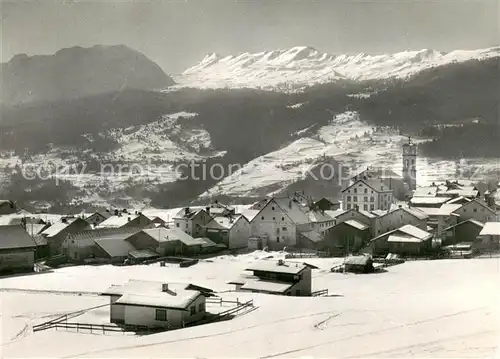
{"type": "Point", "coordinates": [301, 66]}
{"type": "Point", "coordinates": [349, 140]}
{"type": "Point", "coordinates": [145, 155]}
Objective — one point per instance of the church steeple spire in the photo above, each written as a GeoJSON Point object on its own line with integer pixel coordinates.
{"type": "Point", "coordinates": [410, 164]}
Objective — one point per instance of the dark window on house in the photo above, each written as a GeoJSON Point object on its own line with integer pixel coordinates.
{"type": "Point", "coordinates": [348, 198]}
{"type": "Point", "coordinates": [282, 218]}
{"type": "Point", "coordinates": [348, 206]}
{"type": "Point", "coordinates": [274, 218]}
{"type": "Point", "coordinates": [355, 190]}
{"type": "Point", "coordinates": [475, 209]}
{"type": "Point", "coordinates": [186, 225]}
{"type": "Point", "coordinates": [161, 315]}
{"type": "Point", "coordinates": [288, 293]}
{"type": "Point", "coordinates": [272, 208]}
{"type": "Point", "coordinates": [277, 239]}
{"type": "Point", "coordinates": [297, 292]}
{"type": "Point", "coordinates": [366, 199]}
{"type": "Point", "coordinates": [201, 307]}
{"type": "Point", "coordinates": [284, 228]}
{"type": "Point", "coordinates": [365, 207]}
{"type": "Point", "coordinates": [193, 310]}
{"type": "Point", "coordinates": [372, 199]}
{"type": "Point", "coordinates": [366, 190]}
{"type": "Point", "coordinates": [262, 217]}
{"type": "Point", "coordinates": [177, 224]}
{"type": "Point", "coordinates": [354, 198]}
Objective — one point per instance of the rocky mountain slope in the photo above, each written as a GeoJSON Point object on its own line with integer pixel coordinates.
{"type": "Point", "coordinates": [299, 67]}
{"type": "Point", "coordinates": [78, 72]}
{"type": "Point", "coordinates": [168, 148]}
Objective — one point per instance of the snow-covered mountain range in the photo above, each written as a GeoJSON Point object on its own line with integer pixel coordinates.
{"type": "Point", "coordinates": [301, 66]}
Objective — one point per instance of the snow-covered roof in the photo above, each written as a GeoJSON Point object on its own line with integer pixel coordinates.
{"type": "Point", "coordinates": [407, 230]}
{"type": "Point", "coordinates": [335, 213]}
{"type": "Point", "coordinates": [414, 231]}
{"type": "Point", "coordinates": [401, 238]}
{"type": "Point", "coordinates": [458, 199]}
{"type": "Point", "coordinates": [294, 210]}
{"type": "Point", "coordinates": [15, 237]}
{"type": "Point", "coordinates": [266, 285]}
{"type": "Point", "coordinates": [375, 184]}
{"type": "Point", "coordinates": [441, 211]}
{"type": "Point", "coordinates": [428, 200]}
{"type": "Point", "coordinates": [313, 236]}
{"type": "Point", "coordinates": [430, 191]}
{"type": "Point", "coordinates": [470, 220]}
{"type": "Point", "coordinates": [250, 213]}
{"type": "Point", "coordinates": [117, 221]}
{"type": "Point", "coordinates": [490, 229]}
{"type": "Point", "coordinates": [163, 234]}
{"type": "Point", "coordinates": [319, 216]}
{"type": "Point", "coordinates": [355, 224]}
{"type": "Point", "coordinates": [367, 214]}
{"type": "Point", "coordinates": [224, 222]}
{"type": "Point", "coordinates": [150, 294]}
{"type": "Point", "coordinates": [275, 267]}
{"type": "Point", "coordinates": [114, 247]}
{"type": "Point", "coordinates": [415, 212]}
{"type": "Point", "coordinates": [55, 229]}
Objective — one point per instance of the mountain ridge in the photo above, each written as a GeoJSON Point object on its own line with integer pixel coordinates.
{"type": "Point", "coordinates": [303, 66]}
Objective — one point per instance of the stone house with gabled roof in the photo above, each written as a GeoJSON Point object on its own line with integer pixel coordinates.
{"type": "Point", "coordinates": [476, 209]}
{"type": "Point", "coordinates": [279, 222]}
{"type": "Point", "coordinates": [233, 231]}
{"type": "Point", "coordinates": [399, 217]}
{"type": "Point", "coordinates": [368, 195]}
{"type": "Point", "coordinates": [406, 240]}
{"type": "Point", "coordinates": [192, 221]}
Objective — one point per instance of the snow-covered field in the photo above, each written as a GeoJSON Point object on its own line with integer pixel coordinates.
{"type": "Point", "coordinates": [446, 308]}
{"type": "Point", "coordinates": [301, 66]}
{"type": "Point", "coordinates": [349, 140]}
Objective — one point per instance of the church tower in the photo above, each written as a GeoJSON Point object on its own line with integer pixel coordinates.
{"type": "Point", "coordinates": [410, 164]}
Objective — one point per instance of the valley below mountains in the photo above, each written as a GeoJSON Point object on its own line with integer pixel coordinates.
{"type": "Point", "coordinates": [106, 125]}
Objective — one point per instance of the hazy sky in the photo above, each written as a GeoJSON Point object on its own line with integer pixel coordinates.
{"type": "Point", "coordinates": [177, 34]}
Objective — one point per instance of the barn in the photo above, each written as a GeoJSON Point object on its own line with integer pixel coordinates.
{"type": "Point", "coordinates": [17, 249]}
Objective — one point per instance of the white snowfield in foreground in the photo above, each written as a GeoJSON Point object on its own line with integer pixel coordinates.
{"type": "Point", "coordinates": [301, 66]}
{"type": "Point", "coordinates": [446, 308]}
{"type": "Point", "coordinates": [349, 140]}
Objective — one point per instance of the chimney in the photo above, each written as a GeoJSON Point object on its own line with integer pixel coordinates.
{"type": "Point", "coordinates": [129, 219]}
{"type": "Point", "coordinates": [164, 287]}
{"type": "Point", "coordinates": [186, 210]}
{"type": "Point", "coordinates": [207, 209]}
{"type": "Point", "coordinates": [280, 262]}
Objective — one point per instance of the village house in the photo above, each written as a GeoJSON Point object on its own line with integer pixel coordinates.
{"type": "Point", "coordinates": [398, 217]}
{"type": "Point", "coordinates": [476, 209]}
{"type": "Point", "coordinates": [57, 232]}
{"type": "Point", "coordinates": [192, 221]}
{"type": "Point", "coordinates": [7, 207]}
{"type": "Point", "coordinates": [17, 249]}
{"type": "Point", "coordinates": [324, 204]}
{"type": "Point", "coordinates": [169, 242]}
{"type": "Point", "coordinates": [279, 222]}
{"type": "Point", "coordinates": [113, 248]}
{"type": "Point", "coordinates": [217, 209]}
{"type": "Point", "coordinates": [157, 305]}
{"type": "Point", "coordinates": [96, 218]}
{"type": "Point", "coordinates": [367, 195]}
{"type": "Point", "coordinates": [490, 236]}
{"type": "Point", "coordinates": [365, 217]}
{"type": "Point", "coordinates": [406, 240]}
{"type": "Point", "coordinates": [388, 177]}
{"type": "Point", "coordinates": [82, 245]}
{"type": "Point", "coordinates": [125, 219]}
{"type": "Point", "coordinates": [345, 237]}
{"type": "Point", "coordinates": [320, 221]}
{"type": "Point", "coordinates": [232, 230]}
{"type": "Point", "coordinates": [277, 277]}
{"type": "Point", "coordinates": [428, 202]}
{"type": "Point", "coordinates": [464, 231]}
{"type": "Point", "coordinates": [439, 218]}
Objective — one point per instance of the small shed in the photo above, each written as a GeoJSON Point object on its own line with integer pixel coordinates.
{"type": "Point", "coordinates": [358, 264]}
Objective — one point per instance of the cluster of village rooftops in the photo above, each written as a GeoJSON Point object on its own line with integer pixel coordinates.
{"type": "Point", "coordinates": [372, 220]}
{"type": "Point", "coordinates": [452, 214]}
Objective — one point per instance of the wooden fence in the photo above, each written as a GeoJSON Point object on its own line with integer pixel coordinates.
{"type": "Point", "coordinates": [320, 293]}
{"type": "Point", "coordinates": [227, 314]}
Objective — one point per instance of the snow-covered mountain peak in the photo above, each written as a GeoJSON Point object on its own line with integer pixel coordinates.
{"type": "Point", "coordinates": [301, 66]}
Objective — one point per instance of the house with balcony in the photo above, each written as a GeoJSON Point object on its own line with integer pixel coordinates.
{"type": "Point", "coordinates": [276, 277]}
